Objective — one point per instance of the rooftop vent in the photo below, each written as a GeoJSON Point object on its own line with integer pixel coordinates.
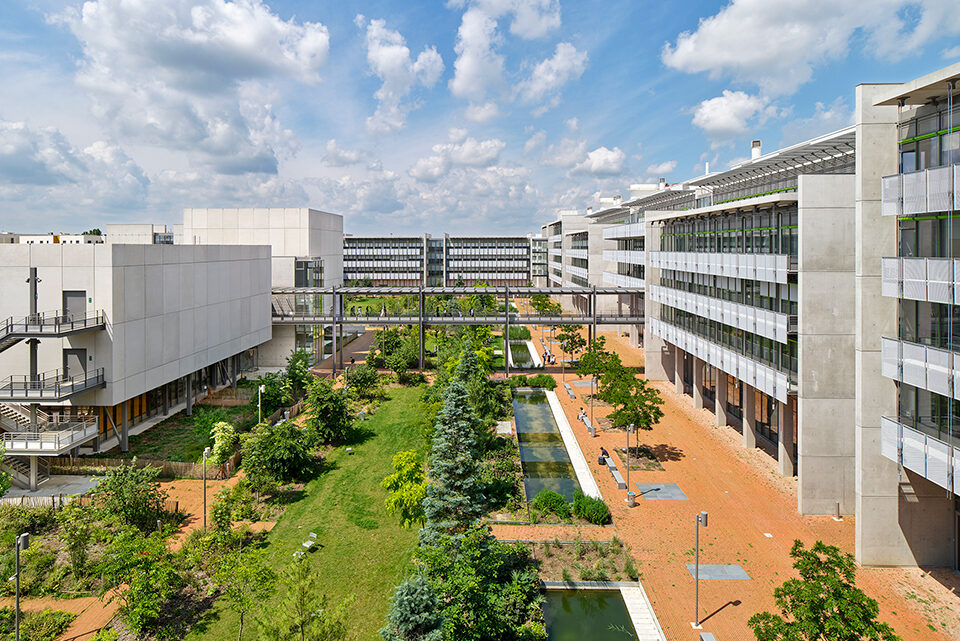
{"type": "Point", "coordinates": [662, 183]}
{"type": "Point", "coordinates": [755, 150]}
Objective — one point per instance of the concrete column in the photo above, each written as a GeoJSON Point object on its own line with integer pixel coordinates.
{"type": "Point", "coordinates": [189, 389]}
{"type": "Point", "coordinates": [678, 369]}
{"type": "Point", "coordinates": [720, 406]}
{"type": "Point", "coordinates": [165, 398]}
{"type": "Point", "coordinates": [698, 383]}
{"type": "Point", "coordinates": [34, 473]}
{"type": "Point", "coordinates": [785, 463]}
{"type": "Point", "coordinates": [749, 416]}
{"type": "Point", "coordinates": [124, 426]}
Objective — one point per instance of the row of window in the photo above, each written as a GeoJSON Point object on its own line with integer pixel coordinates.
{"type": "Point", "coordinates": [765, 232]}
{"type": "Point", "coordinates": [927, 140]}
{"type": "Point", "coordinates": [930, 237]}
{"type": "Point", "coordinates": [931, 324]}
{"type": "Point", "coordinates": [776, 297]}
{"type": "Point", "coordinates": [931, 413]}
{"type": "Point", "coordinates": [631, 244]}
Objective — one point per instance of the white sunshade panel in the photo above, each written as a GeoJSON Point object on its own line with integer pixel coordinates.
{"type": "Point", "coordinates": [914, 457]}
{"type": "Point", "coordinates": [938, 461]}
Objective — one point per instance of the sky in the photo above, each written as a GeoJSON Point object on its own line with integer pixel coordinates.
{"type": "Point", "coordinates": [465, 116]}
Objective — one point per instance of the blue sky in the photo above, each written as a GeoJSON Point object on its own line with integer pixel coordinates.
{"type": "Point", "coordinates": [470, 116]}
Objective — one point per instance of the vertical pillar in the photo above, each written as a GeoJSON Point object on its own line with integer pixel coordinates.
{"type": "Point", "coordinates": [422, 311]}
{"type": "Point", "coordinates": [125, 426]}
{"type": "Point", "coordinates": [749, 417]}
{"type": "Point", "coordinates": [720, 407]}
{"type": "Point", "coordinates": [678, 369]}
{"type": "Point", "coordinates": [506, 331]}
{"type": "Point", "coordinates": [234, 366]}
{"type": "Point", "coordinates": [34, 473]}
{"type": "Point", "coordinates": [333, 337]}
{"type": "Point", "coordinates": [340, 343]}
{"type": "Point", "coordinates": [165, 398]}
{"type": "Point", "coordinates": [785, 463]}
{"type": "Point", "coordinates": [189, 390]}
{"type": "Point", "coordinates": [697, 383]}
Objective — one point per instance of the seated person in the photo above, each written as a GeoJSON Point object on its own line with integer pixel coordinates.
{"type": "Point", "coordinates": [603, 456]}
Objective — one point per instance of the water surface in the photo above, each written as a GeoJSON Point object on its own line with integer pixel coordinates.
{"type": "Point", "coordinates": [545, 462]}
{"type": "Point", "coordinates": [587, 615]}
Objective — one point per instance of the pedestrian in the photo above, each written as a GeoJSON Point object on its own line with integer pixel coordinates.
{"type": "Point", "coordinates": [602, 459]}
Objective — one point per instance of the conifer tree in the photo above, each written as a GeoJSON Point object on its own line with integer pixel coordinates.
{"type": "Point", "coordinates": [414, 613]}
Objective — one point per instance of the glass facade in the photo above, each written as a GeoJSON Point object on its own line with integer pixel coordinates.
{"type": "Point", "coordinates": [772, 231]}
{"type": "Point", "coordinates": [930, 139]}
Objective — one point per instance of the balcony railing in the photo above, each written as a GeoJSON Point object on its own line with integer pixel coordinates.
{"type": "Point", "coordinates": [622, 280]}
{"type": "Point", "coordinates": [930, 368]}
{"type": "Point", "coordinates": [628, 230]}
{"type": "Point", "coordinates": [764, 378]}
{"type": "Point", "coordinates": [54, 323]}
{"type": "Point", "coordinates": [578, 253]}
{"type": "Point", "coordinates": [49, 386]}
{"type": "Point", "coordinates": [625, 256]}
{"type": "Point", "coordinates": [771, 268]}
{"type": "Point", "coordinates": [930, 190]}
{"type": "Point", "coordinates": [931, 457]}
{"type": "Point", "coordinates": [50, 442]}
{"type": "Point", "coordinates": [933, 280]}
{"type": "Point", "coordinates": [756, 320]}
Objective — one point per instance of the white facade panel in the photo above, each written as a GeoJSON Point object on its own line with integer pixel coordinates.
{"type": "Point", "coordinates": [914, 456]}
{"type": "Point", "coordinates": [938, 462]}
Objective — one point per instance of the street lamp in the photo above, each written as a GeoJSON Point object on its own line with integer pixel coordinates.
{"type": "Point", "coordinates": [22, 542]}
{"type": "Point", "coordinates": [206, 455]}
{"type": "Point", "coordinates": [260, 391]}
{"type": "Point", "coordinates": [629, 491]}
{"type": "Point", "coordinates": [701, 519]}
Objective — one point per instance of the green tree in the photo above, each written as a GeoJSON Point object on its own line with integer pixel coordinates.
{"type": "Point", "coordinates": [245, 582]}
{"type": "Point", "coordinates": [297, 375]}
{"type": "Point", "coordinates": [454, 497]}
{"type": "Point", "coordinates": [364, 380]}
{"type": "Point", "coordinates": [92, 232]}
{"type": "Point", "coordinates": [145, 566]}
{"type": "Point", "coordinates": [224, 442]}
{"type": "Point", "coordinates": [4, 476]}
{"type": "Point", "coordinates": [303, 613]}
{"type": "Point", "coordinates": [76, 532]}
{"type": "Point", "coordinates": [273, 396]}
{"type": "Point", "coordinates": [132, 495]}
{"type": "Point", "coordinates": [634, 401]}
{"type": "Point", "coordinates": [328, 414]}
{"type": "Point", "coordinates": [596, 361]}
{"type": "Point", "coordinates": [414, 613]}
{"type": "Point", "coordinates": [571, 341]}
{"type": "Point", "coordinates": [408, 487]}
{"type": "Point", "coordinates": [823, 604]}
{"type": "Point", "coordinates": [276, 454]}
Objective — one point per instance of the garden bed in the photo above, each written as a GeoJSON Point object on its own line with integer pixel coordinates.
{"type": "Point", "coordinates": [581, 560]}
{"type": "Point", "coordinates": [642, 459]}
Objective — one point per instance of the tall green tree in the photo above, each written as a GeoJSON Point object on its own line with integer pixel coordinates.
{"type": "Point", "coordinates": [408, 487]}
{"type": "Point", "coordinates": [571, 341]}
{"type": "Point", "coordinates": [297, 375]}
{"type": "Point", "coordinates": [4, 476]}
{"type": "Point", "coordinates": [245, 581]}
{"type": "Point", "coordinates": [454, 497]}
{"type": "Point", "coordinates": [823, 604]}
{"type": "Point", "coordinates": [596, 361]}
{"type": "Point", "coordinates": [634, 401]}
{"type": "Point", "coordinates": [414, 613]}
{"type": "Point", "coordinates": [303, 612]}
{"type": "Point", "coordinates": [132, 495]}
{"type": "Point", "coordinates": [328, 413]}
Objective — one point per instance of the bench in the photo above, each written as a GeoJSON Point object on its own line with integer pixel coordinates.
{"type": "Point", "coordinates": [586, 421]}
{"type": "Point", "coordinates": [573, 396]}
{"type": "Point", "coordinates": [615, 473]}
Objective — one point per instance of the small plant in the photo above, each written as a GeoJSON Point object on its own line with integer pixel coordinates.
{"type": "Point", "coordinates": [590, 509]}
{"type": "Point", "coordinates": [600, 573]}
{"type": "Point", "coordinates": [630, 569]}
{"type": "Point", "coordinates": [547, 550]}
{"type": "Point", "coordinates": [550, 501]}
{"type": "Point", "coordinates": [615, 543]}
{"type": "Point", "coordinates": [578, 548]}
{"type": "Point", "coordinates": [565, 576]}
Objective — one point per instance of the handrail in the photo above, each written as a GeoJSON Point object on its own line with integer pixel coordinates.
{"type": "Point", "coordinates": [49, 384]}
{"type": "Point", "coordinates": [56, 321]}
{"type": "Point", "coordinates": [28, 441]}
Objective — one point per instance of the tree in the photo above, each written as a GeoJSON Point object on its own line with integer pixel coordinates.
{"type": "Point", "coordinates": [571, 342]}
{"type": "Point", "coordinates": [303, 613]}
{"type": "Point", "coordinates": [224, 442]}
{"type": "Point", "coordinates": [454, 498]}
{"type": "Point", "coordinates": [407, 487]}
{"type": "Point", "coordinates": [297, 375]}
{"type": "Point", "coordinates": [328, 415]}
{"type": "Point", "coordinates": [93, 232]}
{"type": "Point", "coordinates": [245, 581]}
{"type": "Point", "coordinates": [273, 396]}
{"type": "Point", "coordinates": [76, 533]}
{"type": "Point", "coordinates": [823, 604]}
{"type": "Point", "coordinates": [4, 475]}
{"type": "Point", "coordinates": [364, 380]}
{"type": "Point", "coordinates": [132, 495]}
{"type": "Point", "coordinates": [145, 566]}
{"type": "Point", "coordinates": [634, 401]}
{"type": "Point", "coordinates": [596, 361]}
{"type": "Point", "coordinates": [414, 613]}
{"type": "Point", "coordinates": [276, 454]}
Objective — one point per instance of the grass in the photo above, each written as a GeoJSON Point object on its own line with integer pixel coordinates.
{"type": "Point", "coordinates": [364, 551]}
{"type": "Point", "coordinates": [176, 439]}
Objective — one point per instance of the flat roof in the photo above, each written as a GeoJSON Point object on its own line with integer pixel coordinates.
{"type": "Point", "coordinates": [921, 90]}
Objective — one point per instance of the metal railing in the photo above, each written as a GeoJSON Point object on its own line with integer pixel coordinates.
{"type": "Point", "coordinates": [920, 192]}
{"type": "Point", "coordinates": [50, 323]}
{"type": "Point", "coordinates": [48, 441]}
{"type": "Point", "coordinates": [52, 385]}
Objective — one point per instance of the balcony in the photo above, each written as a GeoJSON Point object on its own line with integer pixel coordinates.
{"type": "Point", "coordinates": [932, 458]}
{"type": "Point", "coordinates": [625, 256]}
{"type": "Point", "coordinates": [629, 230]}
{"type": "Point", "coordinates": [764, 378]}
{"type": "Point", "coordinates": [771, 268]}
{"type": "Point", "coordinates": [48, 325]}
{"type": "Point", "coordinates": [925, 279]}
{"type": "Point", "coordinates": [578, 253]}
{"type": "Point", "coordinates": [763, 322]}
{"type": "Point", "coordinates": [49, 386]}
{"type": "Point", "coordinates": [554, 251]}
{"type": "Point", "coordinates": [622, 280]}
{"type": "Point", "coordinates": [930, 368]}
{"type": "Point", "coordinates": [57, 439]}
{"type": "Point", "coordinates": [930, 190]}
{"type": "Point", "coordinates": [577, 271]}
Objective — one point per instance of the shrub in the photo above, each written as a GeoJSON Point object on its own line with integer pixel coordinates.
{"type": "Point", "coordinates": [297, 375]}
{"type": "Point", "coordinates": [550, 501]}
{"type": "Point", "coordinates": [542, 380]}
{"type": "Point", "coordinates": [590, 509]}
{"type": "Point", "coordinates": [519, 333]}
{"type": "Point", "coordinates": [276, 453]}
{"type": "Point", "coordinates": [224, 442]}
{"type": "Point", "coordinates": [222, 511]}
{"type": "Point", "coordinates": [328, 416]}
{"type": "Point", "coordinates": [364, 380]}
{"type": "Point", "coordinates": [35, 626]}
{"type": "Point", "coordinates": [132, 495]}
{"type": "Point", "coordinates": [145, 566]}
{"type": "Point", "coordinates": [273, 397]}
{"type": "Point", "coordinates": [75, 531]}
{"type": "Point", "coordinates": [630, 569]}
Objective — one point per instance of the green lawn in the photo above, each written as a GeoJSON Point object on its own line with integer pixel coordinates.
{"type": "Point", "coordinates": [364, 550]}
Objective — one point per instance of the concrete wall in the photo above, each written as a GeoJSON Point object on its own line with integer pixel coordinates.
{"type": "Point", "coordinates": [901, 518]}
{"type": "Point", "coordinates": [170, 310]}
{"type": "Point", "coordinates": [658, 358]}
{"type": "Point", "coordinates": [825, 336]}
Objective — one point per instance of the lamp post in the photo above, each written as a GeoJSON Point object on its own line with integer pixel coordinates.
{"type": "Point", "coordinates": [22, 543]}
{"type": "Point", "coordinates": [260, 391]}
{"type": "Point", "coordinates": [206, 455]}
{"type": "Point", "coordinates": [701, 519]}
{"type": "Point", "coordinates": [629, 429]}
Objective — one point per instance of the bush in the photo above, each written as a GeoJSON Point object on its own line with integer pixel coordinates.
{"type": "Point", "coordinates": [35, 626]}
{"type": "Point", "coordinates": [364, 380]}
{"type": "Point", "coordinates": [132, 495]}
{"type": "Point", "coordinates": [276, 453]}
{"type": "Point", "coordinates": [224, 442]}
{"type": "Point", "coordinates": [145, 566]}
{"type": "Point", "coordinates": [520, 380]}
{"type": "Point", "coordinates": [550, 501]}
{"type": "Point", "coordinates": [273, 396]}
{"type": "Point", "coordinates": [519, 333]}
{"type": "Point", "coordinates": [590, 509]}
{"type": "Point", "coordinates": [542, 380]}
{"type": "Point", "coordinates": [328, 416]}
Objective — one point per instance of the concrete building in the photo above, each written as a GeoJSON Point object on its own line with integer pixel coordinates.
{"type": "Point", "coordinates": [424, 260]}
{"type": "Point", "coordinates": [103, 337]}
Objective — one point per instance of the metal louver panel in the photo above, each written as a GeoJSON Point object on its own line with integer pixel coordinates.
{"type": "Point", "coordinates": [940, 189]}
{"type": "Point", "coordinates": [940, 280]}
{"type": "Point", "coordinates": [914, 365]}
{"type": "Point", "coordinates": [914, 457]}
{"type": "Point", "coordinates": [938, 461]}
{"type": "Point", "coordinates": [956, 470]}
{"type": "Point", "coordinates": [890, 277]}
{"type": "Point", "coordinates": [890, 195]}
{"type": "Point", "coordinates": [939, 371]}
{"type": "Point", "coordinates": [890, 358]}
{"type": "Point", "coordinates": [915, 278]}
{"type": "Point", "coordinates": [914, 193]}
{"type": "Point", "coordinates": [889, 439]}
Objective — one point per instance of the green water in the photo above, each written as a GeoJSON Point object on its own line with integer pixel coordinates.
{"type": "Point", "coordinates": [587, 615]}
{"type": "Point", "coordinates": [546, 464]}
{"type": "Point", "coordinates": [521, 355]}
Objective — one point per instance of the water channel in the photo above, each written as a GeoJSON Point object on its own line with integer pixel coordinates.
{"type": "Point", "coordinates": [521, 355]}
{"type": "Point", "coordinates": [546, 464]}
{"type": "Point", "coordinates": [579, 615]}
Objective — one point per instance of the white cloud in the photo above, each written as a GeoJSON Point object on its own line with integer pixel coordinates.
{"type": "Point", "coordinates": [467, 153]}
{"type": "Point", "coordinates": [192, 75]}
{"type": "Point", "coordinates": [602, 162]}
{"type": "Point", "coordinates": [776, 45]}
{"type": "Point", "coordinates": [728, 115]}
{"type": "Point", "coordinates": [565, 154]}
{"type": "Point", "coordinates": [482, 113]}
{"type": "Point", "coordinates": [550, 75]}
{"type": "Point", "coordinates": [337, 156]}
{"type": "Point", "coordinates": [389, 58]}
{"type": "Point", "coordinates": [951, 53]}
{"type": "Point", "coordinates": [430, 169]}
{"type": "Point", "coordinates": [662, 168]}
{"type": "Point", "coordinates": [534, 142]}
{"type": "Point", "coordinates": [573, 124]}
{"type": "Point", "coordinates": [825, 118]}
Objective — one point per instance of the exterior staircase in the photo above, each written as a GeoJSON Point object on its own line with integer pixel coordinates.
{"type": "Point", "coordinates": [18, 467]}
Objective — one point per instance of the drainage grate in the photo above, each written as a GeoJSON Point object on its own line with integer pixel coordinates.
{"type": "Point", "coordinates": [661, 492]}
